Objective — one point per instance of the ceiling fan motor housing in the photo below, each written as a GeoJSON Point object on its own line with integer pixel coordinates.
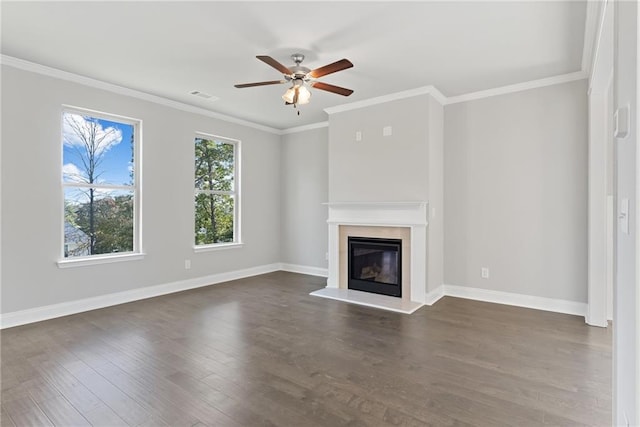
{"type": "Point", "coordinates": [298, 71]}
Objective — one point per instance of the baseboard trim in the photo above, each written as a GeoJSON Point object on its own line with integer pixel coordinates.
{"type": "Point", "coordinates": [23, 317]}
{"type": "Point", "coordinates": [305, 269]}
{"type": "Point", "coordinates": [519, 300]}
{"type": "Point", "coordinates": [433, 296]}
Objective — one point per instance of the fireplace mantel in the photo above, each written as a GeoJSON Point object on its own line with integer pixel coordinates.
{"type": "Point", "coordinates": [407, 214]}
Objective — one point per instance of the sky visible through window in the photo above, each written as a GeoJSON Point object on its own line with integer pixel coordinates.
{"type": "Point", "coordinates": [99, 188]}
{"type": "Point", "coordinates": [115, 157]}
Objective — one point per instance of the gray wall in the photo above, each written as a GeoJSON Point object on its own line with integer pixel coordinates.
{"type": "Point", "coordinates": [405, 166]}
{"type": "Point", "coordinates": [32, 203]}
{"type": "Point", "coordinates": [515, 192]}
{"type": "Point", "coordinates": [379, 168]}
{"type": "Point", "coordinates": [304, 187]}
{"type": "Point", "coordinates": [514, 189]}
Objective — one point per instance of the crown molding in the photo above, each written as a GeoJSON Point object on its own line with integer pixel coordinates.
{"type": "Point", "coordinates": [443, 100]}
{"type": "Point", "coordinates": [121, 90]}
{"type": "Point", "coordinates": [425, 90]}
{"type": "Point", "coordinates": [596, 38]}
{"type": "Point", "coordinates": [592, 30]}
{"type": "Point", "coordinates": [304, 128]}
{"type": "Point", "coordinates": [518, 87]}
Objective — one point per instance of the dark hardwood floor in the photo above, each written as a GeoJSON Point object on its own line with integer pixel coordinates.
{"type": "Point", "coordinates": [262, 352]}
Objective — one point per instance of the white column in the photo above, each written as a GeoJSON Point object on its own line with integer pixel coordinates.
{"type": "Point", "coordinates": [334, 256]}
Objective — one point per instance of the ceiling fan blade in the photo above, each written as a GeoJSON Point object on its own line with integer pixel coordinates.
{"type": "Point", "coordinates": [272, 82]}
{"type": "Point", "coordinates": [275, 64]}
{"type": "Point", "coordinates": [343, 64]}
{"type": "Point", "coordinates": [331, 88]}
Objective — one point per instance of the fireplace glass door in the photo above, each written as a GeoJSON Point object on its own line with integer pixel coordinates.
{"type": "Point", "coordinates": [375, 265]}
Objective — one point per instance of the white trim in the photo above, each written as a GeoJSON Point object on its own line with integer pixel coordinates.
{"type": "Point", "coordinates": [377, 205]}
{"type": "Point", "coordinates": [519, 300]}
{"type": "Point", "coordinates": [592, 31]}
{"type": "Point", "coordinates": [99, 259]}
{"type": "Point", "coordinates": [396, 214]}
{"type": "Point", "coordinates": [505, 298]}
{"type": "Point", "coordinates": [518, 87]}
{"type": "Point", "coordinates": [217, 247]}
{"type": "Point", "coordinates": [305, 269]}
{"type": "Point", "coordinates": [425, 90]}
{"type": "Point", "coordinates": [434, 296]}
{"type": "Point", "coordinates": [437, 95]}
{"type": "Point", "coordinates": [304, 128]}
{"type": "Point", "coordinates": [22, 317]}
{"type": "Point", "coordinates": [121, 90]}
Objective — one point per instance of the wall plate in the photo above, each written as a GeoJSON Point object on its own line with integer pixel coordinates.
{"type": "Point", "coordinates": [622, 122]}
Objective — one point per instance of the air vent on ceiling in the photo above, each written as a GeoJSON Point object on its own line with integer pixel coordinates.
{"type": "Point", "coordinates": [203, 95]}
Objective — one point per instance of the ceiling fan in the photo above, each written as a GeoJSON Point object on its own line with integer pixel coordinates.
{"type": "Point", "coordinates": [301, 76]}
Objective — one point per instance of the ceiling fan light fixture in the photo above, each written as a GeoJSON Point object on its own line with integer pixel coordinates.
{"type": "Point", "coordinates": [288, 95]}
{"type": "Point", "coordinates": [304, 95]}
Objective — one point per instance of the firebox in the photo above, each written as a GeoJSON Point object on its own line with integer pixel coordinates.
{"type": "Point", "coordinates": [375, 265]}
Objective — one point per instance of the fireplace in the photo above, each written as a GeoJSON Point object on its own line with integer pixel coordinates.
{"type": "Point", "coordinates": [401, 221]}
{"type": "Point", "coordinates": [375, 265]}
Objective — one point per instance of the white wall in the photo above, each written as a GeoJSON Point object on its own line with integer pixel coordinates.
{"type": "Point", "coordinates": [32, 201]}
{"type": "Point", "coordinates": [515, 192]}
{"type": "Point", "coordinates": [304, 187]}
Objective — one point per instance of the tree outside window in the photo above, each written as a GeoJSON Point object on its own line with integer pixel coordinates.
{"type": "Point", "coordinates": [216, 195]}
{"type": "Point", "coordinates": [98, 173]}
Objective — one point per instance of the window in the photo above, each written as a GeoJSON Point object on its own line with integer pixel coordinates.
{"type": "Point", "coordinates": [101, 184]}
{"type": "Point", "coordinates": [216, 191]}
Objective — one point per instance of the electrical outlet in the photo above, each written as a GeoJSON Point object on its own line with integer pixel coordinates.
{"type": "Point", "coordinates": [485, 273]}
{"type": "Point", "coordinates": [187, 264]}
{"type": "Point", "coordinates": [326, 256]}
{"type": "Point", "coordinates": [358, 136]}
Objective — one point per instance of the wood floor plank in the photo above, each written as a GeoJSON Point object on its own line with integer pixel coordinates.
{"type": "Point", "coordinates": [62, 413]}
{"type": "Point", "coordinates": [5, 419]}
{"type": "Point", "coordinates": [126, 407]}
{"type": "Point", "coordinates": [261, 352]}
{"type": "Point", "coordinates": [25, 412]}
{"type": "Point", "coordinates": [102, 415]}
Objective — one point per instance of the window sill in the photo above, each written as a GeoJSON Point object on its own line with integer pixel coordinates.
{"type": "Point", "coordinates": [99, 259]}
{"type": "Point", "coordinates": [218, 247]}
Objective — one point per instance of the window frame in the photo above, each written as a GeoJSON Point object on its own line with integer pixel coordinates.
{"type": "Point", "coordinates": [137, 252]}
{"type": "Point", "coordinates": [236, 193]}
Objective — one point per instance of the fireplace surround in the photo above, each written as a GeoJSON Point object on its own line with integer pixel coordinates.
{"type": "Point", "coordinates": [392, 220]}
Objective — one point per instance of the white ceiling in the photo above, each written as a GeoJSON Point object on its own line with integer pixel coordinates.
{"type": "Point", "coordinates": [171, 48]}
